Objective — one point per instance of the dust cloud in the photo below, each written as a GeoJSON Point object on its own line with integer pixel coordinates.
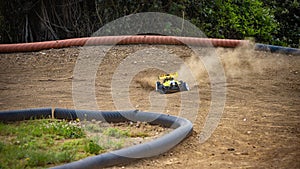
{"type": "Point", "coordinates": [147, 82]}
{"type": "Point", "coordinates": [192, 71]}
{"type": "Point", "coordinates": [243, 61]}
{"type": "Point", "coordinates": [235, 62]}
{"type": "Point", "coordinates": [147, 79]}
{"type": "Point", "coordinates": [239, 62]}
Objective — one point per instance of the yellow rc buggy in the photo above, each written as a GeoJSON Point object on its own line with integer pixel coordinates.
{"type": "Point", "coordinates": [168, 84]}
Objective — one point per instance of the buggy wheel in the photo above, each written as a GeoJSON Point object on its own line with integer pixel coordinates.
{"type": "Point", "coordinates": [159, 88]}
{"type": "Point", "coordinates": [161, 91]}
{"type": "Point", "coordinates": [184, 87]}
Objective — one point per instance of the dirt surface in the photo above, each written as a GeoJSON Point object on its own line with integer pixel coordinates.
{"type": "Point", "coordinates": [260, 124]}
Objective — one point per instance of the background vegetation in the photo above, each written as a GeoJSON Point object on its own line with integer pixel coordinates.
{"type": "Point", "coordinates": [269, 21]}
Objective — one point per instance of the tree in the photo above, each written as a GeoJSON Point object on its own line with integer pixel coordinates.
{"type": "Point", "coordinates": [288, 15]}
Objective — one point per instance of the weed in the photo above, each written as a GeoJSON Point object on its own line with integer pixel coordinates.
{"type": "Point", "coordinates": [115, 132]}
{"type": "Point", "coordinates": [63, 128]}
{"type": "Point", "coordinates": [94, 128]}
{"type": "Point", "coordinates": [93, 148]}
{"type": "Point", "coordinates": [2, 145]}
{"type": "Point", "coordinates": [138, 134]}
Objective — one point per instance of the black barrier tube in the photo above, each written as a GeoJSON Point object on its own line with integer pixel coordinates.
{"type": "Point", "coordinates": [277, 49]}
{"type": "Point", "coordinates": [182, 128]}
{"type": "Point", "coordinates": [26, 114]}
{"type": "Point", "coordinates": [116, 116]}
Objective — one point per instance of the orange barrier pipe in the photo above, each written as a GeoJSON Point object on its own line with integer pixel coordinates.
{"type": "Point", "coordinates": [112, 40]}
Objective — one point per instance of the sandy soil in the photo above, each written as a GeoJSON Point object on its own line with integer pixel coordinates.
{"type": "Point", "coordinates": [259, 128]}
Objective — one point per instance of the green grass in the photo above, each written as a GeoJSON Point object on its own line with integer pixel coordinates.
{"type": "Point", "coordinates": [115, 132]}
{"type": "Point", "coordinates": [110, 138]}
{"type": "Point", "coordinates": [43, 143]}
{"type": "Point", "coordinates": [49, 142]}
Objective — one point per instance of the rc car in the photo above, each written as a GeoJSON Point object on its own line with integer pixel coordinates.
{"type": "Point", "coordinates": [168, 84]}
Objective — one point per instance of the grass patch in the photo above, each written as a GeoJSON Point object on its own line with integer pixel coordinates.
{"type": "Point", "coordinates": [43, 143]}
{"type": "Point", "coordinates": [40, 143]}
{"type": "Point", "coordinates": [49, 142]}
{"type": "Point", "coordinates": [115, 132]}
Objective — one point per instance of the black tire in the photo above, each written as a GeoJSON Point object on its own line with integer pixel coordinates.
{"type": "Point", "coordinates": [159, 88]}
{"type": "Point", "coordinates": [157, 85]}
{"type": "Point", "coordinates": [184, 87]}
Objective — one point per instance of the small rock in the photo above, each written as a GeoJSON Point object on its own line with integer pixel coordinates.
{"type": "Point", "coordinates": [138, 124]}
{"type": "Point", "coordinates": [230, 149]}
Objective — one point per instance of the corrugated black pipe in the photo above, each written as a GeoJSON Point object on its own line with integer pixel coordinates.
{"type": "Point", "coordinates": [277, 49]}
{"type": "Point", "coordinates": [182, 128]}
{"type": "Point", "coordinates": [26, 114]}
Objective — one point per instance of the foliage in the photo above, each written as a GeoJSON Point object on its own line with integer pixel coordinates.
{"type": "Point", "coordinates": [235, 19]}
{"type": "Point", "coordinates": [273, 22]}
{"type": "Point", "coordinates": [93, 148]}
{"type": "Point", "coordinates": [287, 14]}
{"type": "Point", "coordinates": [39, 20]}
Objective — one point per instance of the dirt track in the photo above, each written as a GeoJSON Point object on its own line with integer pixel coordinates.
{"type": "Point", "coordinates": [260, 125]}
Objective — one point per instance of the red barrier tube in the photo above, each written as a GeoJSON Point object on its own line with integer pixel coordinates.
{"type": "Point", "coordinates": [124, 40]}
